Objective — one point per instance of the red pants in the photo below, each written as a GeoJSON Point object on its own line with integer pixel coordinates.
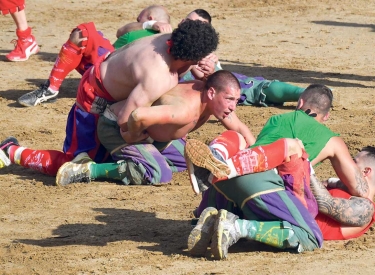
{"type": "Point", "coordinates": [11, 6]}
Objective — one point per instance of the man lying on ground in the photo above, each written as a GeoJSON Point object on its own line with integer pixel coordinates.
{"type": "Point", "coordinates": [114, 78]}
{"type": "Point", "coordinates": [183, 109]}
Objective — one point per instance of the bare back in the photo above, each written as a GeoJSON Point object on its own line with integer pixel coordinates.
{"type": "Point", "coordinates": [141, 63]}
{"type": "Point", "coordinates": [188, 111]}
{"type": "Point", "coordinates": [140, 73]}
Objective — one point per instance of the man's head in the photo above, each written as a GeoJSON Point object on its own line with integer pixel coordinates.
{"type": "Point", "coordinates": [198, 14]}
{"type": "Point", "coordinates": [154, 12]}
{"type": "Point", "coordinates": [223, 92]}
{"type": "Point", "coordinates": [193, 40]}
{"type": "Point", "coordinates": [365, 160]}
{"type": "Point", "coordinates": [316, 100]}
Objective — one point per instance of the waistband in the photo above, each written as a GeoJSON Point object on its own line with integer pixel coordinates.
{"type": "Point", "coordinates": [109, 114]}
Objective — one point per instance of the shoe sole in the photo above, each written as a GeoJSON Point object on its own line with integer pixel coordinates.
{"type": "Point", "coordinates": [192, 177]}
{"type": "Point", "coordinates": [216, 247]}
{"type": "Point", "coordinates": [200, 155]}
{"type": "Point", "coordinates": [61, 175]}
{"type": "Point", "coordinates": [200, 237]}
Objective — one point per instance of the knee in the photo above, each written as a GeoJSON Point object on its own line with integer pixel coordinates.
{"type": "Point", "coordinates": [231, 137]}
{"type": "Point", "coordinates": [294, 146]}
{"type": "Point", "coordinates": [76, 37]}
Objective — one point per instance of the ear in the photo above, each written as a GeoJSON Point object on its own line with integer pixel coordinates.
{"type": "Point", "coordinates": [325, 118]}
{"type": "Point", "coordinates": [211, 93]}
{"type": "Point", "coordinates": [299, 104]}
{"type": "Point", "coordinates": [367, 171]}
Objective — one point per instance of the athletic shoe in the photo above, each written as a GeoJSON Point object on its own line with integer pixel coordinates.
{"type": "Point", "coordinates": [199, 177]}
{"type": "Point", "coordinates": [42, 94]}
{"type": "Point", "coordinates": [200, 237]}
{"type": "Point", "coordinates": [198, 154]}
{"type": "Point", "coordinates": [77, 170]}
{"type": "Point", "coordinates": [23, 49]}
{"type": "Point", "coordinates": [225, 234]}
{"type": "Point", "coordinates": [4, 145]}
{"type": "Point", "coordinates": [4, 160]}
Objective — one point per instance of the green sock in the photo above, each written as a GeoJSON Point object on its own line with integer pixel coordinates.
{"type": "Point", "coordinates": [279, 92]}
{"type": "Point", "coordinates": [104, 171]}
{"type": "Point", "coordinates": [247, 228]}
{"type": "Point", "coordinates": [277, 234]}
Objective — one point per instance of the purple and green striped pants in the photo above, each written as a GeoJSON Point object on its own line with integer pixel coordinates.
{"type": "Point", "coordinates": [262, 197]}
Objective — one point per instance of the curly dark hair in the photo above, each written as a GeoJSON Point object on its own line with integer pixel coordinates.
{"type": "Point", "coordinates": [193, 40]}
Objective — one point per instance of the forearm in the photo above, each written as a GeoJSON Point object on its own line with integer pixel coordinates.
{"type": "Point", "coordinates": [128, 28]}
{"type": "Point", "coordinates": [350, 212]}
{"type": "Point", "coordinates": [197, 74]}
{"type": "Point", "coordinates": [357, 187]}
{"type": "Point", "coordinates": [345, 168]}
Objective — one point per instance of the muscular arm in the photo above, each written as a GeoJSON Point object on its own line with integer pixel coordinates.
{"type": "Point", "coordinates": [150, 88]}
{"type": "Point", "coordinates": [346, 169]}
{"type": "Point", "coordinates": [350, 212]}
{"type": "Point", "coordinates": [144, 117]}
{"type": "Point", "coordinates": [128, 28]}
{"type": "Point", "coordinates": [159, 26]}
{"type": "Point", "coordinates": [232, 122]}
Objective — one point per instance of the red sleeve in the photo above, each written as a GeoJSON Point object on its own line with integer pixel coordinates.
{"type": "Point", "coordinates": [330, 228]}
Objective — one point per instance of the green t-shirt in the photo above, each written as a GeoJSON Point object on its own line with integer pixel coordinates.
{"type": "Point", "coordinates": [132, 36]}
{"type": "Point", "coordinates": [297, 124]}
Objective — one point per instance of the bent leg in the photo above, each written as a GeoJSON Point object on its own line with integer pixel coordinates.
{"type": "Point", "coordinates": [174, 155]}
{"type": "Point", "coordinates": [84, 46]}
{"type": "Point", "coordinates": [142, 164]}
{"type": "Point", "coordinates": [262, 197]}
{"type": "Point", "coordinates": [46, 161]}
{"type": "Point", "coordinates": [280, 92]}
{"type": "Point", "coordinates": [283, 205]}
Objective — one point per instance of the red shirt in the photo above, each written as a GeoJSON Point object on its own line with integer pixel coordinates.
{"type": "Point", "coordinates": [330, 228]}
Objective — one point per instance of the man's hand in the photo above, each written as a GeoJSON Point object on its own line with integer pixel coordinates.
{"type": "Point", "coordinates": [133, 137]}
{"type": "Point", "coordinates": [162, 27]}
{"type": "Point", "coordinates": [207, 64]}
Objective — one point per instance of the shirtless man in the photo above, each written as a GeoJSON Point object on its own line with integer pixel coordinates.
{"type": "Point", "coordinates": [183, 109]}
{"type": "Point", "coordinates": [86, 44]}
{"type": "Point", "coordinates": [116, 78]}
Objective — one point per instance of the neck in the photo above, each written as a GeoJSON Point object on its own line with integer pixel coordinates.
{"type": "Point", "coordinates": [311, 112]}
{"type": "Point", "coordinates": [204, 110]}
{"type": "Point", "coordinates": [179, 66]}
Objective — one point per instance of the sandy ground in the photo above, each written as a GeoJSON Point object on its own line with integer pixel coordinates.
{"type": "Point", "coordinates": [105, 228]}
